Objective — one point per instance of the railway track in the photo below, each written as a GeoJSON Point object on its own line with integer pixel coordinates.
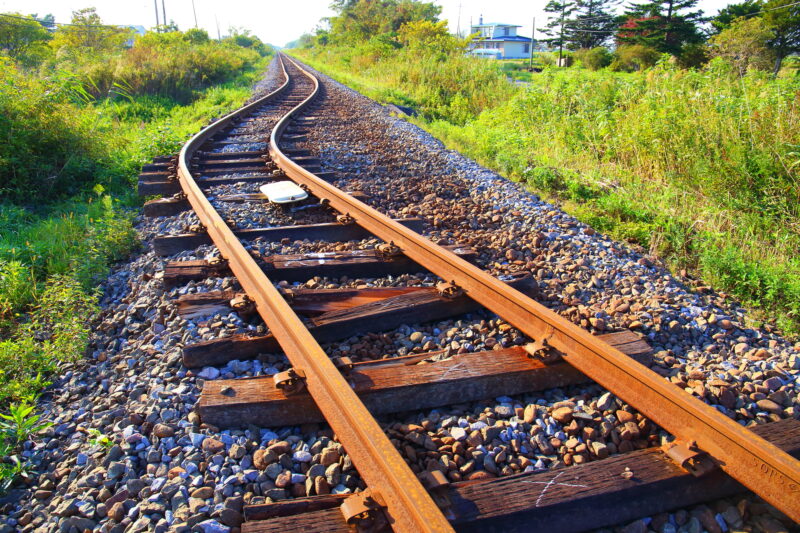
{"type": "Point", "coordinates": [709, 452]}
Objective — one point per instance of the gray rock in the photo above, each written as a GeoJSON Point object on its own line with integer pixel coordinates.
{"type": "Point", "coordinates": [212, 526]}
{"type": "Point", "coordinates": [605, 402]}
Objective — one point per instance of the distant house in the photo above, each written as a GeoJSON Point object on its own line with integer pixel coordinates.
{"type": "Point", "coordinates": [136, 30]}
{"type": "Point", "coordinates": [499, 41]}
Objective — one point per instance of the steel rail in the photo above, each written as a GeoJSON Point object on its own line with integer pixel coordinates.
{"type": "Point", "coordinates": [409, 507]}
{"type": "Point", "coordinates": [760, 466]}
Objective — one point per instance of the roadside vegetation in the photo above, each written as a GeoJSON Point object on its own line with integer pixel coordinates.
{"type": "Point", "coordinates": [683, 139]}
{"type": "Point", "coordinates": [82, 107]}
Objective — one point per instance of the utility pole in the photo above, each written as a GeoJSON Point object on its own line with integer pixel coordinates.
{"type": "Point", "coordinates": [561, 33]}
{"type": "Point", "coordinates": [219, 37]}
{"type": "Point", "coordinates": [195, 14]}
{"type": "Point", "coordinates": [458, 23]}
{"type": "Point", "coordinates": [164, 12]}
{"type": "Point", "coordinates": [157, 23]}
{"type": "Point", "coordinates": [533, 39]}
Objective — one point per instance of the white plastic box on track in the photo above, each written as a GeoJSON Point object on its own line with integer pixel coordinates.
{"type": "Point", "coordinates": [283, 192]}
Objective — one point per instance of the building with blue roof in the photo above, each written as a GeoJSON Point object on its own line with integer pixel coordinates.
{"type": "Point", "coordinates": [499, 41]}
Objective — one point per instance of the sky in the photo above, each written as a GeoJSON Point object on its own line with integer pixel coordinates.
{"type": "Point", "coordinates": [280, 21]}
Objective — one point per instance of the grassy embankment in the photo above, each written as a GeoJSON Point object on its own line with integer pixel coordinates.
{"type": "Point", "coordinates": [75, 131]}
{"type": "Point", "coordinates": [698, 167]}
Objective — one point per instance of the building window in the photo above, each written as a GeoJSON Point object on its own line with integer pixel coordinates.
{"type": "Point", "coordinates": [505, 31]}
{"type": "Point", "coordinates": [527, 48]}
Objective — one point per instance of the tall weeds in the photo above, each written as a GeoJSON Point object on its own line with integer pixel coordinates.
{"type": "Point", "coordinates": [698, 166]}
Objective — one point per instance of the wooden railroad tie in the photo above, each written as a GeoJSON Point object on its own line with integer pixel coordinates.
{"type": "Point", "coordinates": [162, 185]}
{"type": "Point", "coordinates": [307, 302]}
{"type": "Point", "coordinates": [166, 207]}
{"type": "Point", "coordinates": [380, 315]}
{"type": "Point", "coordinates": [328, 232]}
{"type": "Point", "coordinates": [401, 384]}
{"type": "Point", "coordinates": [569, 499]}
{"type": "Point", "coordinates": [301, 267]}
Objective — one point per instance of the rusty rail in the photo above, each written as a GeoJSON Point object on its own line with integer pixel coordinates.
{"type": "Point", "coordinates": [750, 459]}
{"type": "Point", "coordinates": [408, 507]}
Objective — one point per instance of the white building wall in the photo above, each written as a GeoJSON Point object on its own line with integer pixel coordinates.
{"type": "Point", "coordinates": [514, 50]}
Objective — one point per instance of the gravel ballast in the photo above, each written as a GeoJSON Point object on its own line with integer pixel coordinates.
{"type": "Point", "coordinates": [128, 453]}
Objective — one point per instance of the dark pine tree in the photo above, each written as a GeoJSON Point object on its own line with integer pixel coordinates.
{"type": "Point", "coordinates": [783, 19]}
{"type": "Point", "coordinates": [592, 24]}
{"type": "Point", "coordinates": [664, 25]}
{"type": "Point", "coordinates": [731, 12]}
{"type": "Point", "coordinates": [560, 13]}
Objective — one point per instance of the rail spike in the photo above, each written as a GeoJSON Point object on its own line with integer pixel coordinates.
{"type": "Point", "coordinates": [290, 381]}
{"type": "Point", "coordinates": [365, 511]}
{"type": "Point", "coordinates": [345, 219]}
{"type": "Point", "coordinates": [218, 262]}
{"type": "Point", "coordinates": [541, 349]}
{"type": "Point", "coordinates": [449, 289]}
{"type": "Point", "coordinates": [690, 457]}
{"type": "Point", "coordinates": [388, 250]}
{"type": "Point", "coordinates": [197, 228]}
{"type": "Point", "coordinates": [243, 304]}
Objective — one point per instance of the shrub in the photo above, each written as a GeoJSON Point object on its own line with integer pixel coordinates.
{"type": "Point", "coordinates": [57, 330]}
{"type": "Point", "coordinates": [633, 57]}
{"type": "Point", "coordinates": [594, 58]}
{"type": "Point", "coordinates": [169, 65]}
{"type": "Point", "coordinates": [17, 288]}
{"type": "Point", "coordinates": [693, 55]}
{"type": "Point", "coordinates": [49, 146]}
{"type": "Point", "coordinates": [547, 59]}
{"type": "Point", "coordinates": [544, 179]}
{"type": "Point", "coordinates": [440, 84]}
{"type": "Point", "coordinates": [745, 44]}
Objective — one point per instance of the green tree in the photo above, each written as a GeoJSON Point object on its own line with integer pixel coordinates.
{"type": "Point", "coordinates": [728, 14]}
{"type": "Point", "coordinates": [304, 41]}
{"type": "Point", "coordinates": [167, 28]}
{"type": "Point", "coordinates": [592, 25]}
{"type": "Point", "coordinates": [244, 38]}
{"type": "Point", "coordinates": [196, 36]}
{"type": "Point", "coordinates": [783, 18]}
{"type": "Point", "coordinates": [87, 33]}
{"type": "Point", "coordinates": [745, 44]}
{"type": "Point", "coordinates": [594, 58]}
{"type": "Point", "coordinates": [664, 25]}
{"type": "Point", "coordinates": [634, 57]}
{"type": "Point", "coordinates": [360, 20]}
{"type": "Point", "coordinates": [557, 22]}
{"type": "Point", "coordinates": [426, 36]}
{"type": "Point", "coordinates": [20, 34]}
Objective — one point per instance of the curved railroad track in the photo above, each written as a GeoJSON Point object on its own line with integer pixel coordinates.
{"type": "Point", "coordinates": [348, 395]}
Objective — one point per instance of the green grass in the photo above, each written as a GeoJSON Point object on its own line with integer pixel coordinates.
{"type": "Point", "coordinates": [67, 202]}
{"type": "Point", "coordinates": [698, 167]}
{"type": "Point", "coordinates": [78, 237]}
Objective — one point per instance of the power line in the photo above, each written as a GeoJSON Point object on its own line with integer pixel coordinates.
{"type": "Point", "coordinates": [608, 17]}
{"type": "Point", "coordinates": [47, 24]}
{"type": "Point", "coordinates": [774, 9]}
{"type": "Point", "coordinates": [599, 17]}
{"type": "Point", "coordinates": [570, 28]}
